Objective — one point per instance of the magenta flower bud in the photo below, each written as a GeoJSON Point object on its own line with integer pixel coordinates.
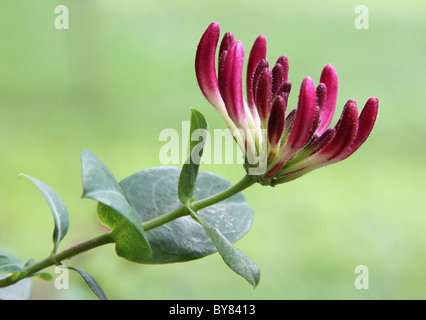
{"type": "Point", "coordinates": [263, 64]}
{"type": "Point", "coordinates": [276, 121]}
{"type": "Point", "coordinates": [366, 122]}
{"type": "Point", "coordinates": [279, 74]}
{"type": "Point", "coordinates": [226, 44]}
{"type": "Point", "coordinates": [321, 95]}
{"type": "Point", "coordinates": [305, 115]}
{"type": "Point", "coordinates": [257, 53]}
{"type": "Point", "coordinates": [205, 66]}
{"type": "Point", "coordinates": [263, 94]}
{"type": "Point", "coordinates": [285, 89]}
{"type": "Point", "coordinates": [297, 143]}
{"type": "Point", "coordinates": [329, 79]}
{"type": "Point", "coordinates": [353, 132]}
{"type": "Point", "coordinates": [231, 87]}
{"type": "Point", "coordinates": [346, 130]}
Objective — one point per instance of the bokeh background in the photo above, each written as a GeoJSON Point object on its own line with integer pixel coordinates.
{"type": "Point", "coordinates": [124, 71]}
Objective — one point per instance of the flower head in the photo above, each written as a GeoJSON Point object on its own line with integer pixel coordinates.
{"type": "Point", "coordinates": [278, 147]}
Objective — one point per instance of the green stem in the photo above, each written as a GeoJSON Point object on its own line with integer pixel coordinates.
{"type": "Point", "coordinates": [244, 183]}
{"type": "Point", "coordinates": [56, 258]}
{"type": "Point", "coordinates": [106, 238]}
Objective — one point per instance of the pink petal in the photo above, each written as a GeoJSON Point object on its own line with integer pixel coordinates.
{"type": "Point", "coordinates": [232, 91]}
{"type": "Point", "coordinates": [205, 65]}
{"type": "Point", "coordinates": [305, 115]}
{"type": "Point", "coordinates": [257, 53]}
{"type": "Point", "coordinates": [329, 78]}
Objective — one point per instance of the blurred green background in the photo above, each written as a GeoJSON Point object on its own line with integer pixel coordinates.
{"type": "Point", "coordinates": [124, 71]}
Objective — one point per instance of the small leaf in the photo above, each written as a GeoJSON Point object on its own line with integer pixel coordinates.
{"type": "Point", "coordinates": [234, 258]}
{"type": "Point", "coordinates": [91, 282]}
{"type": "Point", "coordinates": [8, 266]}
{"type": "Point", "coordinates": [57, 206]}
{"type": "Point", "coordinates": [46, 276]}
{"type": "Point", "coordinates": [20, 290]}
{"type": "Point", "coordinates": [100, 185]}
{"type": "Point", "coordinates": [189, 171]}
{"type": "Point", "coordinates": [41, 274]}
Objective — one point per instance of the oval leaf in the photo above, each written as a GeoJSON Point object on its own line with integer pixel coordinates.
{"type": "Point", "coordinates": [20, 290]}
{"type": "Point", "coordinates": [100, 185]}
{"type": "Point", "coordinates": [59, 211]}
{"type": "Point", "coordinates": [190, 168]}
{"type": "Point", "coordinates": [153, 192]}
{"type": "Point", "coordinates": [233, 257]}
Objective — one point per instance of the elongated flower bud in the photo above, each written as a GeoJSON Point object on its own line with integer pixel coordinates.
{"type": "Point", "coordinates": [231, 88]}
{"type": "Point", "coordinates": [257, 53]}
{"type": "Point", "coordinates": [205, 66]}
{"type": "Point", "coordinates": [276, 121]}
{"type": "Point", "coordinates": [305, 115]}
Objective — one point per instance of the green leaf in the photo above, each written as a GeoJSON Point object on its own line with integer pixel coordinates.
{"type": "Point", "coordinates": [190, 168]}
{"type": "Point", "coordinates": [153, 192]}
{"type": "Point", "coordinates": [20, 290]}
{"type": "Point", "coordinates": [41, 274]}
{"type": "Point", "coordinates": [130, 243]}
{"type": "Point", "coordinates": [116, 212]}
{"type": "Point", "coordinates": [233, 257]}
{"type": "Point", "coordinates": [91, 282]}
{"type": "Point", "coordinates": [8, 266]}
{"type": "Point", "coordinates": [46, 276]}
{"type": "Point", "coordinates": [59, 211]}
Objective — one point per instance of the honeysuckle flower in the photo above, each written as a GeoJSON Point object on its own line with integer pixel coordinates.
{"type": "Point", "coordinates": [286, 146]}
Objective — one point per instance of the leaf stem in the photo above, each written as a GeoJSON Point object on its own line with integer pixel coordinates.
{"type": "Point", "coordinates": [243, 184]}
